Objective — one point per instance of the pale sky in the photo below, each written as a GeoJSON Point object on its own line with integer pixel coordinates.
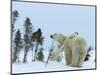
{"type": "Point", "coordinates": [56, 18]}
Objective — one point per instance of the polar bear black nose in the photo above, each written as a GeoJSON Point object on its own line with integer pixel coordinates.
{"type": "Point", "coordinates": [51, 36]}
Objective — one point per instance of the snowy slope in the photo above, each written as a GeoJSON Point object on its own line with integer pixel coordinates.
{"type": "Point", "coordinates": [52, 65]}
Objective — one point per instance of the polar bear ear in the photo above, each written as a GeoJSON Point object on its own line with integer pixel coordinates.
{"type": "Point", "coordinates": [73, 35]}
{"type": "Point", "coordinates": [76, 33]}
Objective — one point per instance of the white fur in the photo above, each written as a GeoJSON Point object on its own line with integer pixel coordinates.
{"type": "Point", "coordinates": [74, 49]}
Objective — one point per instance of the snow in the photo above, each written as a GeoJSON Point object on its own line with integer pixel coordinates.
{"type": "Point", "coordinates": [37, 66]}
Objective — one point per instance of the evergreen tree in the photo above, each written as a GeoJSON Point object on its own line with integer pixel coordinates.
{"type": "Point", "coordinates": [17, 45]}
{"type": "Point", "coordinates": [40, 55]}
{"type": "Point", "coordinates": [15, 15]}
{"type": "Point", "coordinates": [88, 55]}
{"type": "Point", "coordinates": [38, 38]}
{"type": "Point", "coordinates": [27, 37]}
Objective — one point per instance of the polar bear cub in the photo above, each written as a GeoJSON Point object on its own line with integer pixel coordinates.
{"type": "Point", "coordinates": [75, 48]}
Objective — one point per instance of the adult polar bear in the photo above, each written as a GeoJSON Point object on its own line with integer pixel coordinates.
{"type": "Point", "coordinates": [75, 48]}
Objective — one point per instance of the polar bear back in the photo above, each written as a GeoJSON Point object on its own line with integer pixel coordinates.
{"type": "Point", "coordinates": [79, 42]}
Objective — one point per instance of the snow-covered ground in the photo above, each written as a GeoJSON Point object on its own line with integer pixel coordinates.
{"type": "Point", "coordinates": [51, 66]}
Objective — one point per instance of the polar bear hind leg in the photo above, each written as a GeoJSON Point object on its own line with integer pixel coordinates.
{"type": "Point", "coordinates": [81, 58]}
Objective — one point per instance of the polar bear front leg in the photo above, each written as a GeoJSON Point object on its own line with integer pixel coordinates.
{"type": "Point", "coordinates": [75, 57]}
{"type": "Point", "coordinates": [68, 56]}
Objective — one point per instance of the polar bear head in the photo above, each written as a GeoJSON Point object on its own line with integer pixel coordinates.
{"type": "Point", "coordinates": [58, 37]}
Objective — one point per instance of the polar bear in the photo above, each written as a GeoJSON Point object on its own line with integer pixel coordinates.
{"type": "Point", "coordinates": [74, 47]}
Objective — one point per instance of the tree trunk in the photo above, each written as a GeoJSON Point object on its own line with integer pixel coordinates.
{"type": "Point", "coordinates": [18, 56]}
{"type": "Point", "coordinates": [32, 51]}
{"type": "Point", "coordinates": [25, 54]}
{"type": "Point", "coordinates": [15, 55]}
{"type": "Point", "coordinates": [36, 48]}
{"type": "Point", "coordinates": [25, 57]}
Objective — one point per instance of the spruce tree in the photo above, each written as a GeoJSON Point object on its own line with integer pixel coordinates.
{"type": "Point", "coordinates": [15, 15]}
{"type": "Point", "coordinates": [27, 37]}
{"type": "Point", "coordinates": [40, 55]}
{"type": "Point", "coordinates": [38, 38]}
{"type": "Point", "coordinates": [88, 55]}
{"type": "Point", "coordinates": [17, 45]}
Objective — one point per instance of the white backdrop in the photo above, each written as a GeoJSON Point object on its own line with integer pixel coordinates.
{"type": "Point", "coordinates": [5, 37]}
